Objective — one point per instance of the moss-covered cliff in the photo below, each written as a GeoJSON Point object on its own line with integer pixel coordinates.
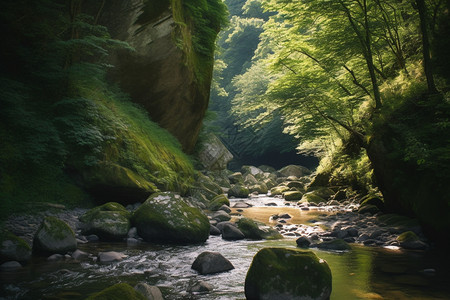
{"type": "Point", "coordinates": [170, 71]}
{"type": "Point", "coordinates": [67, 133]}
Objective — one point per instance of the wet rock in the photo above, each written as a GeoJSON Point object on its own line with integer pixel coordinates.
{"type": "Point", "coordinates": [167, 217]}
{"type": "Point", "coordinates": [311, 197]}
{"type": "Point", "coordinates": [241, 204]}
{"type": "Point", "coordinates": [220, 225]}
{"type": "Point", "coordinates": [10, 265]}
{"type": "Point", "coordinates": [54, 236]}
{"type": "Point", "coordinates": [92, 238]}
{"type": "Point", "coordinates": [201, 287]}
{"type": "Point", "coordinates": [238, 191]}
{"type": "Point", "coordinates": [335, 244]}
{"type": "Point", "coordinates": [211, 262]}
{"type": "Point", "coordinates": [368, 209]}
{"type": "Point", "coordinates": [55, 257]}
{"type": "Point", "coordinates": [221, 216]}
{"type": "Point", "coordinates": [214, 230]}
{"type": "Point", "coordinates": [80, 255]}
{"type": "Point", "coordinates": [271, 204]}
{"type": "Point", "coordinates": [150, 292]}
{"type": "Point", "coordinates": [110, 256]}
{"type": "Point", "coordinates": [352, 231]}
{"type": "Point", "coordinates": [292, 195]}
{"type": "Point", "coordinates": [303, 242]}
{"type": "Point", "coordinates": [285, 216]}
{"type": "Point", "coordinates": [219, 201]}
{"type": "Point", "coordinates": [236, 178]}
{"type": "Point", "coordinates": [225, 208]}
{"type": "Point", "coordinates": [281, 273]}
{"type": "Point", "coordinates": [278, 190]}
{"type": "Point", "coordinates": [13, 248]}
{"type": "Point", "coordinates": [231, 233]}
{"type": "Point", "coordinates": [253, 230]}
{"type": "Point", "coordinates": [132, 242]}
{"type": "Point", "coordinates": [409, 240]}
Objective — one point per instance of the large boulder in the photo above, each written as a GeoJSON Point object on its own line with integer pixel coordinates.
{"type": "Point", "coordinates": [255, 231]}
{"type": "Point", "coordinates": [260, 188]}
{"type": "Point", "coordinates": [409, 240]}
{"type": "Point", "coordinates": [238, 191]}
{"type": "Point", "coordinates": [278, 190]}
{"type": "Point", "coordinates": [280, 273]}
{"type": "Point", "coordinates": [312, 197]}
{"type": "Point", "coordinates": [13, 248]}
{"type": "Point", "coordinates": [251, 170]}
{"type": "Point", "coordinates": [236, 177]}
{"type": "Point", "coordinates": [166, 217]}
{"type": "Point", "coordinates": [292, 195]}
{"type": "Point", "coordinates": [336, 244]}
{"type": "Point", "coordinates": [294, 170]}
{"type": "Point", "coordinates": [110, 221]}
{"type": "Point", "coordinates": [118, 291]}
{"type": "Point", "coordinates": [231, 233]}
{"type": "Point", "coordinates": [211, 262]}
{"type": "Point", "coordinates": [213, 154]}
{"type": "Point", "coordinates": [150, 292]}
{"type": "Point", "coordinates": [111, 182]}
{"type": "Point", "coordinates": [54, 236]}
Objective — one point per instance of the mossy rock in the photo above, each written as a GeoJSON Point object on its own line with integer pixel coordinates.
{"type": "Point", "coordinates": [323, 192]}
{"type": "Point", "coordinates": [398, 221]}
{"type": "Point", "coordinates": [166, 217]}
{"type": "Point", "coordinates": [238, 191]}
{"type": "Point", "coordinates": [336, 244]}
{"type": "Point", "coordinates": [373, 200]}
{"type": "Point", "coordinates": [111, 182]}
{"type": "Point", "coordinates": [252, 170]}
{"type": "Point", "coordinates": [208, 183]}
{"type": "Point", "coordinates": [294, 170]}
{"type": "Point", "coordinates": [266, 168]}
{"type": "Point", "coordinates": [312, 197]}
{"type": "Point", "coordinates": [13, 248]}
{"type": "Point", "coordinates": [368, 208]}
{"type": "Point", "coordinates": [296, 184]}
{"type": "Point", "coordinates": [292, 195]}
{"type": "Point", "coordinates": [280, 273]}
{"type": "Point", "coordinates": [270, 183]}
{"type": "Point", "coordinates": [218, 201]}
{"type": "Point", "coordinates": [54, 236]}
{"type": "Point", "coordinates": [409, 240]}
{"type": "Point", "coordinates": [249, 179]}
{"type": "Point", "coordinates": [278, 190]}
{"type": "Point", "coordinates": [253, 230]}
{"type": "Point", "coordinates": [260, 188]}
{"type": "Point", "coordinates": [236, 178]}
{"type": "Point", "coordinates": [90, 215]}
{"type": "Point", "coordinates": [118, 291]}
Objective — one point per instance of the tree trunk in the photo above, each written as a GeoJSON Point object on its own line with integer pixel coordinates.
{"type": "Point", "coordinates": [426, 46]}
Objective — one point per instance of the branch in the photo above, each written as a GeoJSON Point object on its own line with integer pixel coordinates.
{"type": "Point", "coordinates": [356, 82]}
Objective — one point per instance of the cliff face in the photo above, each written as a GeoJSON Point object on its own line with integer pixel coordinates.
{"type": "Point", "coordinates": [156, 74]}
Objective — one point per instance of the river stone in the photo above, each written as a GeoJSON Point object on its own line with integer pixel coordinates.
{"type": "Point", "coordinates": [292, 195]}
{"type": "Point", "coordinates": [54, 236]}
{"type": "Point", "coordinates": [218, 201]}
{"type": "Point", "coordinates": [294, 170]}
{"type": "Point", "coordinates": [110, 256]}
{"type": "Point", "coordinates": [10, 265]}
{"type": "Point", "coordinates": [238, 191]}
{"type": "Point", "coordinates": [303, 242]}
{"type": "Point", "coordinates": [260, 188]}
{"type": "Point", "coordinates": [409, 240]}
{"type": "Point", "coordinates": [213, 230]}
{"type": "Point", "coordinates": [252, 230]}
{"type": "Point", "coordinates": [211, 262]}
{"type": "Point", "coordinates": [220, 225]}
{"type": "Point", "coordinates": [281, 273]}
{"type": "Point", "coordinates": [13, 248]}
{"type": "Point", "coordinates": [336, 244]}
{"type": "Point", "coordinates": [242, 205]}
{"type": "Point", "coordinates": [251, 170]}
{"type": "Point", "coordinates": [311, 197]}
{"type": "Point", "coordinates": [166, 217]}
{"type": "Point", "coordinates": [369, 208]}
{"type": "Point", "coordinates": [79, 255]}
{"type": "Point", "coordinates": [278, 190]}
{"type": "Point", "coordinates": [118, 291]}
{"type": "Point", "coordinates": [249, 179]}
{"type": "Point", "coordinates": [201, 287]}
{"type": "Point", "coordinates": [221, 216]}
{"type": "Point", "coordinates": [225, 208]}
{"type": "Point", "coordinates": [231, 233]}
{"type": "Point", "coordinates": [150, 292]}
{"type": "Point", "coordinates": [236, 178]}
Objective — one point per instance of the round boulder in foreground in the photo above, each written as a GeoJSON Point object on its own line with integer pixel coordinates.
{"type": "Point", "coordinates": [211, 262]}
{"type": "Point", "coordinates": [281, 273]}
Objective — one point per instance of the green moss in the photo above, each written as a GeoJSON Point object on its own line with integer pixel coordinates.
{"type": "Point", "coordinates": [110, 206]}
{"type": "Point", "coordinates": [218, 201]}
{"type": "Point", "coordinates": [13, 248]}
{"type": "Point", "coordinates": [407, 237]}
{"type": "Point", "coordinates": [312, 197]}
{"type": "Point", "coordinates": [277, 273]}
{"type": "Point", "coordinates": [166, 217]}
{"type": "Point", "coordinates": [54, 236]}
{"type": "Point", "coordinates": [279, 190]}
{"type": "Point", "coordinates": [118, 291]}
{"type": "Point", "coordinates": [292, 195]}
{"type": "Point", "coordinates": [57, 228]}
{"type": "Point", "coordinates": [238, 191]}
{"type": "Point", "coordinates": [336, 244]}
{"type": "Point", "coordinates": [252, 230]}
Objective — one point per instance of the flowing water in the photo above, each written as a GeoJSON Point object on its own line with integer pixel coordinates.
{"type": "Point", "coordinates": [363, 273]}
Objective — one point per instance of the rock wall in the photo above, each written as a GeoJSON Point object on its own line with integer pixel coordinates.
{"type": "Point", "coordinates": [155, 74]}
{"type": "Point", "coordinates": [213, 154]}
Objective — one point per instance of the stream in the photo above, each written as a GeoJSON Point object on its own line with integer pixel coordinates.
{"type": "Point", "coordinates": [363, 273]}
